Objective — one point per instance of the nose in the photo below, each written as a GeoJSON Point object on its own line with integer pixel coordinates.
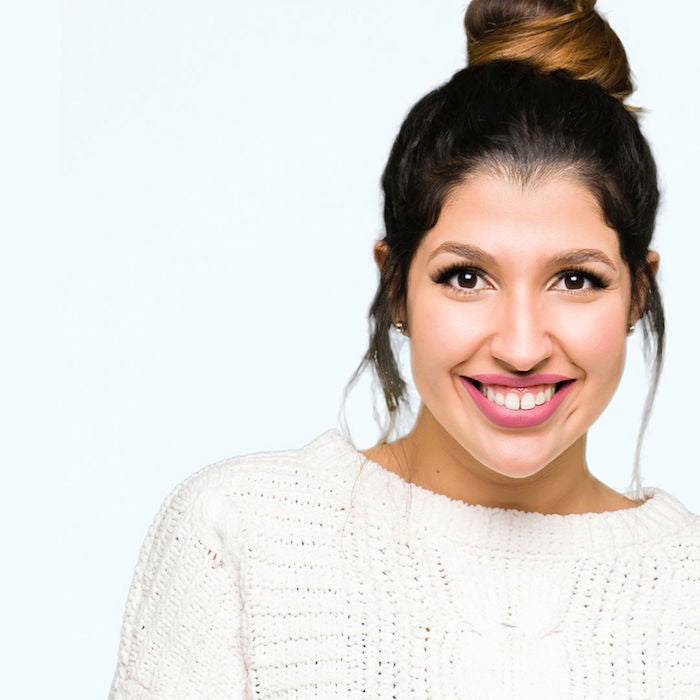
{"type": "Point", "coordinates": [521, 339]}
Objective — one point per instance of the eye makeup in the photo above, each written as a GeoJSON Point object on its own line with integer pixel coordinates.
{"type": "Point", "coordinates": [584, 279]}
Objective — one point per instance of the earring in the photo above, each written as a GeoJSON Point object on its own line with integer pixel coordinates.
{"type": "Point", "coordinates": [630, 329]}
{"type": "Point", "coordinates": [400, 326]}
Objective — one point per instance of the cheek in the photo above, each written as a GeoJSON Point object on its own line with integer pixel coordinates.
{"type": "Point", "coordinates": [595, 339]}
{"type": "Point", "coordinates": [443, 332]}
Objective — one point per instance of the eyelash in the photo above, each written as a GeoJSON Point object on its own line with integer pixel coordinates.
{"type": "Point", "coordinates": [597, 280]}
{"type": "Point", "coordinates": [444, 276]}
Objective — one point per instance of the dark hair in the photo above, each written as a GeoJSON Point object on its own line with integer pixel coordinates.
{"type": "Point", "coordinates": [550, 35]}
{"type": "Point", "coordinates": [515, 119]}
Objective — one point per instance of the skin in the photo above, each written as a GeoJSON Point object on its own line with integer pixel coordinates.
{"type": "Point", "coordinates": [522, 313]}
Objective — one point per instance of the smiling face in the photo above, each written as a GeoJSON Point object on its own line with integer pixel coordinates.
{"type": "Point", "coordinates": [517, 308]}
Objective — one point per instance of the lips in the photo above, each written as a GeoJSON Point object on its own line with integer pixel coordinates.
{"type": "Point", "coordinates": [517, 402]}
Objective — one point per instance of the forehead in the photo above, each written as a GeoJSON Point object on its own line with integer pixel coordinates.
{"type": "Point", "coordinates": [524, 223]}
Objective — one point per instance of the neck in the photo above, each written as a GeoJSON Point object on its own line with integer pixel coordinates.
{"type": "Point", "coordinates": [431, 458]}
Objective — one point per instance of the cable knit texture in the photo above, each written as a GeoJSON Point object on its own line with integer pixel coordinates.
{"type": "Point", "coordinates": [317, 574]}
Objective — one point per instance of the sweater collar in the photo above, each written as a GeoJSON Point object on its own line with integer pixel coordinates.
{"type": "Point", "coordinates": [387, 498]}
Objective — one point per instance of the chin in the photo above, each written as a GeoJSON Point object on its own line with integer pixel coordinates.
{"type": "Point", "coordinates": [517, 457]}
{"type": "Point", "coordinates": [517, 469]}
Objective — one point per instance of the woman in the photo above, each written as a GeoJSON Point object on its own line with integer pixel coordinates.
{"type": "Point", "coordinates": [475, 556]}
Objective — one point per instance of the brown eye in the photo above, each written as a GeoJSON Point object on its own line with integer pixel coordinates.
{"type": "Point", "coordinates": [579, 281]}
{"type": "Point", "coordinates": [574, 280]}
{"type": "Point", "coordinates": [466, 279]}
{"type": "Point", "coordinates": [462, 280]}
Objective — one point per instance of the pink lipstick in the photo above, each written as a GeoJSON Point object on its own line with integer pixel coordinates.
{"type": "Point", "coordinates": [517, 402]}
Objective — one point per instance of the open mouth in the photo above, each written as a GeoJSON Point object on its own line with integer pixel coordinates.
{"type": "Point", "coordinates": [519, 398]}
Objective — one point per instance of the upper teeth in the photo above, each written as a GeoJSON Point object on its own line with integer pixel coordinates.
{"type": "Point", "coordinates": [515, 400]}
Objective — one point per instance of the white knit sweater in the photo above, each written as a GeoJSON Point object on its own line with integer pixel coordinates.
{"type": "Point", "coordinates": [305, 574]}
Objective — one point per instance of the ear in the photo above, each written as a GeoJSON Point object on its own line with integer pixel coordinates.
{"type": "Point", "coordinates": [381, 257]}
{"type": "Point", "coordinates": [381, 250]}
{"type": "Point", "coordinates": [639, 301]}
{"type": "Point", "coordinates": [653, 261]}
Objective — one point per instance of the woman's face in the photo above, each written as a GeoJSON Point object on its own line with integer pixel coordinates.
{"type": "Point", "coordinates": [517, 307]}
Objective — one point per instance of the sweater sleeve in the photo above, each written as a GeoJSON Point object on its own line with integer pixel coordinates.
{"type": "Point", "coordinates": [181, 635]}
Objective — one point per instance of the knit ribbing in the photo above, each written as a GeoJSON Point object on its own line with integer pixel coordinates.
{"type": "Point", "coordinates": [316, 573]}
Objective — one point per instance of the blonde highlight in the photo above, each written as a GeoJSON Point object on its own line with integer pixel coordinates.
{"type": "Point", "coordinates": [551, 36]}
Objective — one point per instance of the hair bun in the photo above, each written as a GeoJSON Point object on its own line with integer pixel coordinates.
{"type": "Point", "coordinates": [551, 35]}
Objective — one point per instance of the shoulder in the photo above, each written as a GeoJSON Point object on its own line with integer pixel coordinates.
{"type": "Point", "coordinates": [326, 462]}
{"type": "Point", "coordinates": [672, 536]}
{"type": "Point", "coordinates": [244, 492]}
{"type": "Point", "coordinates": [665, 516]}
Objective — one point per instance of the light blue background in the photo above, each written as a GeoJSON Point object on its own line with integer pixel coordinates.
{"type": "Point", "coordinates": [190, 281]}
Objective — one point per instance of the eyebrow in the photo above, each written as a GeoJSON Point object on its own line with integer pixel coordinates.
{"type": "Point", "coordinates": [577, 257]}
{"type": "Point", "coordinates": [570, 257]}
{"type": "Point", "coordinates": [471, 252]}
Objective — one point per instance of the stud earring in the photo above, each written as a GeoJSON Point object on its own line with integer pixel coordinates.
{"type": "Point", "coordinates": [400, 326]}
{"type": "Point", "coordinates": [630, 329]}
